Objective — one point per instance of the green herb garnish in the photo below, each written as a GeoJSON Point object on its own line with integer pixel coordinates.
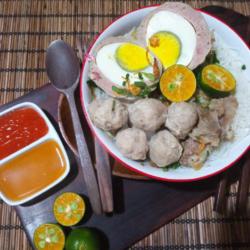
{"type": "Point", "coordinates": [140, 84]}
{"type": "Point", "coordinates": [113, 105]}
{"type": "Point", "coordinates": [150, 76]}
{"type": "Point", "coordinates": [121, 91]}
{"type": "Point", "coordinates": [213, 58]}
{"type": "Point", "coordinates": [243, 67]}
{"type": "Point", "coordinates": [140, 76]}
{"type": "Point", "coordinates": [145, 92]}
{"type": "Point", "coordinates": [171, 166]}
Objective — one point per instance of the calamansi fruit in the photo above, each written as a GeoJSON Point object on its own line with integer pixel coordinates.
{"type": "Point", "coordinates": [69, 209]}
{"type": "Point", "coordinates": [178, 83]}
{"type": "Point", "coordinates": [216, 81]}
{"type": "Point", "coordinates": [49, 237]}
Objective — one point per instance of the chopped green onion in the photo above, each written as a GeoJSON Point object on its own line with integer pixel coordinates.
{"type": "Point", "coordinates": [140, 84]}
{"type": "Point", "coordinates": [174, 165]}
{"type": "Point", "coordinates": [140, 76]}
{"type": "Point", "coordinates": [113, 105]}
{"type": "Point", "coordinates": [150, 76]}
{"type": "Point", "coordinates": [120, 91]}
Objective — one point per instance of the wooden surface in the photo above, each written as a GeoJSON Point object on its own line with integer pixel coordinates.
{"type": "Point", "coordinates": [26, 29]}
{"type": "Point", "coordinates": [134, 200]}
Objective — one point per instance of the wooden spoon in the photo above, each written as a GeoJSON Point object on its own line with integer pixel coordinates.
{"type": "Point", "coordinates": [63, 69]}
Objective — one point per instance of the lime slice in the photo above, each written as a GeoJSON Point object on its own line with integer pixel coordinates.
{"type": "Point", "coordinates": [216, 81]}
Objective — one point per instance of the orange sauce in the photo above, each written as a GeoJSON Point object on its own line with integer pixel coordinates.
{"type": "Point", "coordinates": [32, 171]}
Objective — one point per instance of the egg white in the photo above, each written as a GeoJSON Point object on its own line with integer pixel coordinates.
{"type": "Point", "coordinates": [176, 24]}
{"type": "Point", "coordinates": [106, 62]}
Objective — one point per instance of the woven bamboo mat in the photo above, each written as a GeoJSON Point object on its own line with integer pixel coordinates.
{"type": "Point", "coordinates": [26, 29]}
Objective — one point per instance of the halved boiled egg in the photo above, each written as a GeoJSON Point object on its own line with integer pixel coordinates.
{"type": "Point", "coordinates": [120, 63]}
{"type": "Point", "coordinates": [165, 45]}
{"type": "Point", "coordinates": [132, 57]}
{"type": "Point", "coordinates": [176, 34]}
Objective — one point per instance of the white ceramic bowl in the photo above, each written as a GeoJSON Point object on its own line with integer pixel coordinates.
{"type": "Point", "coordinates": [50, 135]}
{"type": "Point", "coordinates": [121, 26]}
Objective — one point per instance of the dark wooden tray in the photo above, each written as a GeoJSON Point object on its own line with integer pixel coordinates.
{"type": "Point", "coordinates": [140, 206]}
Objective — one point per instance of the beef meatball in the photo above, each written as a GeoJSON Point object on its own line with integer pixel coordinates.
{"type": "Point", "coordinates": [164, 149]}
{"type": "Point", "coordinates": [108, 114]}
{"type": "Point", "coordinates": [181, 118]}
{"type": "Point", "coordinates": [132, 142]}
{"type": "Point", "coordinates": [147, 114]}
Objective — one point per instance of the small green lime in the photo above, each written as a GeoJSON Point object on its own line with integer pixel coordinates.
{"type": "Point", "coordinates": [216, 81]}
{"type": "Point", "coordinates": [82, 239]}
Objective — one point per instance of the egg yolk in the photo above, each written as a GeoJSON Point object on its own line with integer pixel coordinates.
{"type": "Point", "coordinates": [166, 46]}
{"type": "Point", "coordinates": [132, 57]}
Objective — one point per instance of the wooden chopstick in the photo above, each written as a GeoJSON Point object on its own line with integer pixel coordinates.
{"type": "Point", "coordinates": [103, 168]}
{"type": "Point", "coordinates": [242, 195]}
{"type": "Point", "coordinates": [104, 174]}
{"type": "Point", "coordinates": [220, 196]}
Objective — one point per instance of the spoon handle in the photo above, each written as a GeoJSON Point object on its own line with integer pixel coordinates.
{"type": "Point", "coordinates": [85, 160]}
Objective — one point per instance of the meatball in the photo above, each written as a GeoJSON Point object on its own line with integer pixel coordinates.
{"type": "Point", "coordinates": [108, 114]}
{"type": "Point", "coordinates": [147, 114]}
{"type": "Point", "coordinates": [181, 118]}
{"type": "Point", "coordinates": [132, 142]}
{"type": "Point", "coordinates": [164, 149]}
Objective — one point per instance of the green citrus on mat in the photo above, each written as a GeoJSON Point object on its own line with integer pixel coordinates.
{"type": "Point", "coordinates": [82, 239]}
{"type": "Point", "coordinates": [69, 209]}
{"type": "Point", "coordinates": [178, 83]}
{"type": "Point", "coordinates": [49, 237]}
{"type": "Point", "coordinates": [216, 81]}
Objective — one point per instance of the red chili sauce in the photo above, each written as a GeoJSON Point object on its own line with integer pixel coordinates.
{"type": "Point", "coordinates": [19, 128]}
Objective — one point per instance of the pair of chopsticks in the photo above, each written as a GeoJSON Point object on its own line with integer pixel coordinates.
{"type": "Point", "coordinates": [242, 194]}
{"type": "Point", "coordinates": [102, 164]}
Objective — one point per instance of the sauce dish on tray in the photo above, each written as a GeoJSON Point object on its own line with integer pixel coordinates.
{"type": "Point", "coordinates": [33, 158]}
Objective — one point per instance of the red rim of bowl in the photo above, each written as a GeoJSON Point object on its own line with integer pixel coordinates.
{"type": "Point", "coordinates": [115, 156]}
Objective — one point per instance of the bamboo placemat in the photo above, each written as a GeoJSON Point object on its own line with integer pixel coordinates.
{"type": "Point", "coordinates": [26, 29]}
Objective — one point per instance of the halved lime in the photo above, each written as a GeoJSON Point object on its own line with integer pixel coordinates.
{"type": "Point", "coordinates": [216, 81]}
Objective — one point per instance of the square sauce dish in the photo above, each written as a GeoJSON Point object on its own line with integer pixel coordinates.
{"type": "Point", "coordinates": [32, 156]}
